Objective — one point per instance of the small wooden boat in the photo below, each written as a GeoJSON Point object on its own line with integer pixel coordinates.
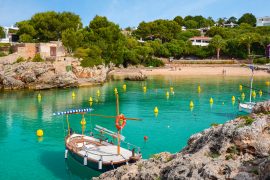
{"type": "Point", "coordinates": [95, 150]}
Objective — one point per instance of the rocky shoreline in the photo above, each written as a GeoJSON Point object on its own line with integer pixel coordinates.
{"type": "Point", "coordinates": [238, 149]}
{"type": "Point", "coordinates": [47, 75]}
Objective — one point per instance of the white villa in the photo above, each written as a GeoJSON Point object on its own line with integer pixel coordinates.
{"type": "Point", "coordinates": [200, 41]}
{"type": "Point", "coordinates": [263, 21]}
{"type": "Point", "coordinates": [230, 25]}
{"type": "Point", "coordinates": [8, 36]}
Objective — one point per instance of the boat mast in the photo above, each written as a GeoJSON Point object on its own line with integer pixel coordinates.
{"type": "Point", "coordinates": [68, 126]}
{"type": "Point", "coordinates": [118, 132]}
{"type": "Point", "coordinates": [251, 82]}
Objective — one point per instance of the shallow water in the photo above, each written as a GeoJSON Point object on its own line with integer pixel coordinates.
{"type": "Point", "coordinates": [24, 156]}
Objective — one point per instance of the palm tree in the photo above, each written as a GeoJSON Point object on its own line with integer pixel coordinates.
{"type": "Point", "coordinates": [218, 43]}
{"type": "Point", "coordinates": [248, 39]}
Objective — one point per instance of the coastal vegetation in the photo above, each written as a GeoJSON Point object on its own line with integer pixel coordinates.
{"type": "Point", "coordinates": [103, 41]}
{"type": "Point", "coordinates": [2, 33]}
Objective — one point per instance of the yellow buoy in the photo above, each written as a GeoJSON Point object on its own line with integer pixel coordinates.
{"type": "Point", "coordinates": [199, 89]}
{"type": "Point", "coordinates": [267, 83]}
{"type": "Point", "coordinates": [90, 99]}
{"type": "Point", "coordinates": [124, 86]}
{"type": "Point", "coordinates": [253, 94]}
{"type": "Point", "coordinates": [144, 89]}
{"type": "Point", "coordinates": [39, 96]}
{"type": "Point", "coordinates": [98, 92]}
{"type": "Point", "coordinates": [260, 93]}
{"type": "Point", "coordinates": [171, 89]}
{"type": "Point", "coordinates": [240, 87]}
{"type": "Point", "coordinates": [243, 96]}
{"type": "Point", "coordinates": [115, 90]}
{"type": "Point", "coordinates": [233, 98]}
{"type": "Point", "coordinates": [39, 132]}
{"type": "Point", "coordinates": [91, 104]}
{"type": "Point", "coordinates": [167, 93]}
{"type": "Point", "coordinates": [191, 104]}
{"type": "Point", "coordinates": [211, 100]}
{"type": "Point", "coordinates": [156, 110]}
{"type": "Point", "coordinates": [73, 94]}
{"type": "Point", "coordinates": [83, 122]}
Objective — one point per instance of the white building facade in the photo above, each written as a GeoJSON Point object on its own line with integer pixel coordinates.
{"type": "Point", "coordinates": [263, 21]}
{"type": "Point", "coordinates": [200, 41]}
{"type": "Point", "coordinates": [8, 36]}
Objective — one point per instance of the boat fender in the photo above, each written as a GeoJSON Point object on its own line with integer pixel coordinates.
{"type": "Point", "coordinates": [100, 164]}
{"type": "Point", "coordinates": [120, 122]}
{"type": "Point", "coordinates": [66, 154]}
{"type": "Point", "coordinates": [126, 162]}
{"type": "Point", "coordinates": [85, 160]}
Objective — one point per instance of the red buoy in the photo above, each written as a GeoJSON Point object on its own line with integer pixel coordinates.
{"type": "Point", "coordinates": [145, 138]}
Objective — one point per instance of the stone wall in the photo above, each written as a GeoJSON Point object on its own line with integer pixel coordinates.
{"type": "Point", "coordinates": [25, 50]}
{"type": "Point", "coordinates": [29, 50]}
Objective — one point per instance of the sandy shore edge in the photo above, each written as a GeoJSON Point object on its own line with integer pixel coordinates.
{"type": "Point", "coordinates": [191, 71]}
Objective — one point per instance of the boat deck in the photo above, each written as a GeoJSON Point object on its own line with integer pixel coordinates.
{"type": "Point", "coordinates": [96, 150]}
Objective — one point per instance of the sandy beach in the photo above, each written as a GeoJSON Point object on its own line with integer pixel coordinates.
{"type": "Point", "coordinates": [192, 70]}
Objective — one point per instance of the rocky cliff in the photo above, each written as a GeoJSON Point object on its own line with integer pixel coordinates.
{"type": "Point", "coordinates": [45, 75]}
{"type": "Point", "coordinates": [238, 149]}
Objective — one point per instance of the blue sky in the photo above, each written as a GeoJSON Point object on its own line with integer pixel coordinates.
{"type": "Point", "coordinates": [131, 12]}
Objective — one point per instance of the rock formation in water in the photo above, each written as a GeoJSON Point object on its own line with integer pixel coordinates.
{"type": "Point", "coordinates": [129, 74]}
{"type": "Point", "coordinates": [238, 149]}
{"type": "Point", "coordinates": [45, 75]}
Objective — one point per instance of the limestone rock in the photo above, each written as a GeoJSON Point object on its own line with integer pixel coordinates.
{"type": "Point", "coordinates": [262, 107]}
{"type": "Point", "coordinates": [12, 83]}
{"type": "Point", "coordinates": [45, 75]}
{"type": "Point", "coordinates": [236, 150]}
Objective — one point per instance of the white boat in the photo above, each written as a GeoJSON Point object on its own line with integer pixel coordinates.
{"type": "Point", "coordinates": [95, 150]}
{"type": "Point", "coordinates": [248, 106]}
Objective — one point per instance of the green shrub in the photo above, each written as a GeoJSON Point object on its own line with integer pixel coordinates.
{"type": "Point", "coordinates": [249, 121]}
{"type": "Point", "coordinates": [90, 62]}
{"type": "Point", "coordinates": [155, 156]}
{"type": "Point", "coordinates": [2, 54]}
{"type": "Point", "coordinates": [213, 155]}
{"type": "Point", "coordinates": [20, 59]}
{"type": "Point", "coordinates": [38, 58]}
{"type": "Point", "coordinates": [214, 124]}
{"type": "Point", "coordinates": [233, 150]}
{"type": "Point", "coordinates": [261, 61]}
{"type": "Point", "coordinates": [229, 156]}
{"type": "Point", "coordinates": [153, 62]}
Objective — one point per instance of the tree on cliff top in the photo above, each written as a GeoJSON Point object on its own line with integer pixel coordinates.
{"type": "Point", "coordinates": [48, 26]}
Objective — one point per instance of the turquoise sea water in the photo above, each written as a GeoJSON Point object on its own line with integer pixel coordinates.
{"type": "Point", "coordinates": [24, 156]}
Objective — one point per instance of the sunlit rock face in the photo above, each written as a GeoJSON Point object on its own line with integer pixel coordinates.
{"type": "Point", "coordinates": [46, 75]}
{"type": "Point", "coordinates": [238, 149]}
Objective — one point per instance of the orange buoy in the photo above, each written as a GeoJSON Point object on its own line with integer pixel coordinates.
{"type": "Point", "coordinates": [120, 122]}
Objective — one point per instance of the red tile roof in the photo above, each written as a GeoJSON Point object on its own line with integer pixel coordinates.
{"type": "Point", "coordinates": [200, 38]}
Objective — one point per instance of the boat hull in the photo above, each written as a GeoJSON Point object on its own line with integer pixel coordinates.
{"type": "Point", "coordinates": [94, 165]}
{"type": "Point", "coordinates": [246, 107]}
